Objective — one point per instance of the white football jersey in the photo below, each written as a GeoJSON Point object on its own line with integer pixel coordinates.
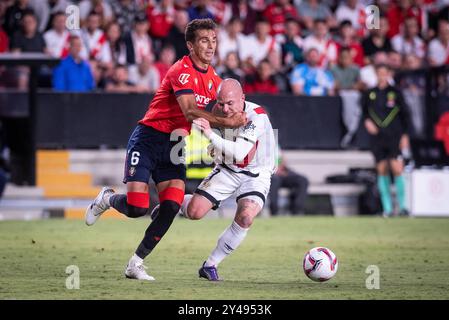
{"type": "Point", "coordinates": [263, 155]}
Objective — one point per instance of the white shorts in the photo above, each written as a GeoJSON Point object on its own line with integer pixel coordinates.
{"type": "Point", "coordinates": [222, 183]}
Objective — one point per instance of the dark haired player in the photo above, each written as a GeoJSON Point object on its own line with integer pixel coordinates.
{"type": "Point", "coordinates": [189, 86]}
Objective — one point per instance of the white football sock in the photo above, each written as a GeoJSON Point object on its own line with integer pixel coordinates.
{"type": "Point", "coordinates": [185, 204]}
{"type": "Point", "coordinates": [136, 259]}
{"type": "Point", "coordinates": [229, 240]}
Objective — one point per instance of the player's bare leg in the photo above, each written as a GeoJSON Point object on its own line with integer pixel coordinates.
{"type": "Point", "coordinates": [383, 184]}
{"type": "Point", "coordinates": [397, 167]}
{"type": "Point", "coordinates": [231, 238]}
{"type": "Point", "coordinates": [171, 194]}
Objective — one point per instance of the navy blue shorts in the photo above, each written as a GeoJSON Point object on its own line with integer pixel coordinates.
{"type": "Point", "coordinates": [148, 155]}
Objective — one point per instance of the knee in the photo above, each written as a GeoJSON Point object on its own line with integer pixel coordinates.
{"type": "Point", "coordinates": [244, 219]}
{"type": "Point", "coordinates": [195, 211]}
{"type": "Point", "coordinates": [136, 212]}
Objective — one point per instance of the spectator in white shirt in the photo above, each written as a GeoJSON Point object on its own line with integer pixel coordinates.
{"type": "Point", "coordinates": [258, 45]}
{"type": "Point", "coordinates": [145, 75]}
{"type": "Point", "coordinates": [353, 11]}
{"type": "Point", "coordinates": [101, 7]}
{"type": "Point", "coordinates": [231, 38]}
{"type": "Point", "coordinates": [139, 43]}
{"type": "Point", "coordinates": [408, 41]}
{"type": "Point", "coordinates": [322, 41]}
{"type": "Point", "coordinates": [439, 47]}
{"type": "Point", "coordinates": [57, 38]}
{"type": "Point", "coordinates": [95, 40]}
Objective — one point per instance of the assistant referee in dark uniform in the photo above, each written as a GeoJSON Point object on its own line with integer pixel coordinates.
{"type": "Point", "coordinates": [385, 117]}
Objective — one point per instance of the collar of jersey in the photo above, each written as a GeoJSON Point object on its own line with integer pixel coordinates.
{"type": "Point", "coordinates": [196, 67]}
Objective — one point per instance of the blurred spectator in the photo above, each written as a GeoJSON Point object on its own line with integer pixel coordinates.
{"type": "Point", "coordinates": [408, 41]}
{"type": "Point", "coordinates": [368, 74]}
{"type": "Point", "coordinates": [262, 81]}
{"type": "Point", "coordinates": [348, 40]}
{"type": "Point", "coordinates": [199, 10]}
{"type": "Point", "coordinates": [28, 39]}
{"type": "Point", "coordinates": [439, 47]}
{"type": "Point", "coordinates": [100, 7]}
{"type": "Point", "coordinates": [166, 59]}
{"type": "Point", "coordinates": [310, 79]}
{"type": "Point", "coordinates": [279, 72]}
{"type": "Point", "coordinates": [231, 67]}
{"type": "Point", "coordinates": [98, 74]}
{"type": "Point", "coordinates": [257, 46]}
{"type": "Point", "coordinates": [120, 82]}
{"type": "Point", "coordinates": [126, 12]}
{"type": "Point", "coordinates": [296, 184]}
{"type": "Point", "coordinates": [292, 45]}
{"type": "Point", "coordinates": [348, 84]}
{"type": "Point", "coordinates": [73, 73]}
{"type": "Point", "coordinates": [57, 38]}
{"type": "Point", "coordinates": [221, 11]}
{"type": "Point", "coordinates": [145, 75]}
{"type": "Point", "coordinates": [398, 12]}
{"type": "Point", "coordinates": [394, 61]}
{"type": "Point", "coordinates": [353, 11]}
{"type": "Point", "coordinates": [312, 10]}
{"type": "Point", "coordinates": [161, 18]}
{"type": "Point", "coordinates": [14, 14]}
{"type": "Point", "coordinates": [45, 11]}
{"type": "Point", "coordinates": [278, 13]}
{"type": "Point", "coordinates": [94, 40]}
{"type": "Point", "coordinates": [345, 72]}
{"type": "Point", "coordinates": [413, 86]}
{"type": "Point", "coordinates": [377, 40]}
{"type": "Point", "coordinates": [230, 38]}
{"type": "Point", "coordinates": [115, 44]}
{"type": "Point", "coordinates": [176, 36]}
{"type": "Point", "coordinates": [321, 40]}
{"type": "Point", "coordinates": [249, 11]}
{"type": "Point", "coordinates": [138, 42]}
{"type": "Point", "coordinates": [4, 41]}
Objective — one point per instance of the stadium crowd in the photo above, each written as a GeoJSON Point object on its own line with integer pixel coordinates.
{"type": "Point", "coordinates": [306, 47]}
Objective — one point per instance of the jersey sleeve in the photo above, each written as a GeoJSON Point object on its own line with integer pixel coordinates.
{"type": "Point", "coordinates": [181, 81]}
{"type": "Point", "coordinates": [253, 129]}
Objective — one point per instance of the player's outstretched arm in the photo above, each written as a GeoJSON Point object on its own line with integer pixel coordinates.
{"type": "Point", "coordinates": [191, 112]}
{"type": "Point", "coordinates": [237, 150]}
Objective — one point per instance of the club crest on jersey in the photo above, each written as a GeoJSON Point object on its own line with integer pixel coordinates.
{"type": "Point", "coordinates": [210, 85]}
{"type": "Point", "coordinates": [184, 78]}
{"type": "Point", "coordinates": [249, 127]}
{"type": "Point", "coordinates": [196, 81]}
{"type": "Point", "coordinates": [132, 171]}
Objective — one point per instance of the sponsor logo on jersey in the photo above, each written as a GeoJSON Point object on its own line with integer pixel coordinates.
{"type": "Point", "coordinates": [201, 100]}
{"type": "Point", "coordinates": [210, 85]}
{"type": "Point", "coordinates": [184, 78]}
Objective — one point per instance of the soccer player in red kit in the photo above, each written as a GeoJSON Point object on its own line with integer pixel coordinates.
{"type": "Point", "coordinates": [189, 86]}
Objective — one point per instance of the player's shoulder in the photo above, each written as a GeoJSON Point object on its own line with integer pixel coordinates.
{"type": "Point", "coordinates": [255, 112]}
{"type": "Point", "coordinates": [180, 66]}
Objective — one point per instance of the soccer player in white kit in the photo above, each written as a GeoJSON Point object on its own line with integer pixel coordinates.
{"type": "Point", "coordinates": [245, 161]}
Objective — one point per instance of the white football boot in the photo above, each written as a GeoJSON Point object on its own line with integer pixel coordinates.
{"type": "Point", "coordinates": [136, 270]}
{"type": "Point", "coordinates": [98, 206]}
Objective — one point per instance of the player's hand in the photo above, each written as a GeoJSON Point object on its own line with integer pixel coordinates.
{"type": "Point", "coordinates": [203, 125]}
{"type": "Point", "coordinates": [211, 150]}
{"type": "Point", "coordinates": [237, 120]}
{"type": "Point", "coordinates": [371, 127]}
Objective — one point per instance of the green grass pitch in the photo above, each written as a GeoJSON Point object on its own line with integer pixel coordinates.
{"type": "Point", "coordinates": [412, 256]}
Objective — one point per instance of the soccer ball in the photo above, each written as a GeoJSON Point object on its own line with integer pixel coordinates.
{"type": "Point", "coordinates": [320, 264]}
